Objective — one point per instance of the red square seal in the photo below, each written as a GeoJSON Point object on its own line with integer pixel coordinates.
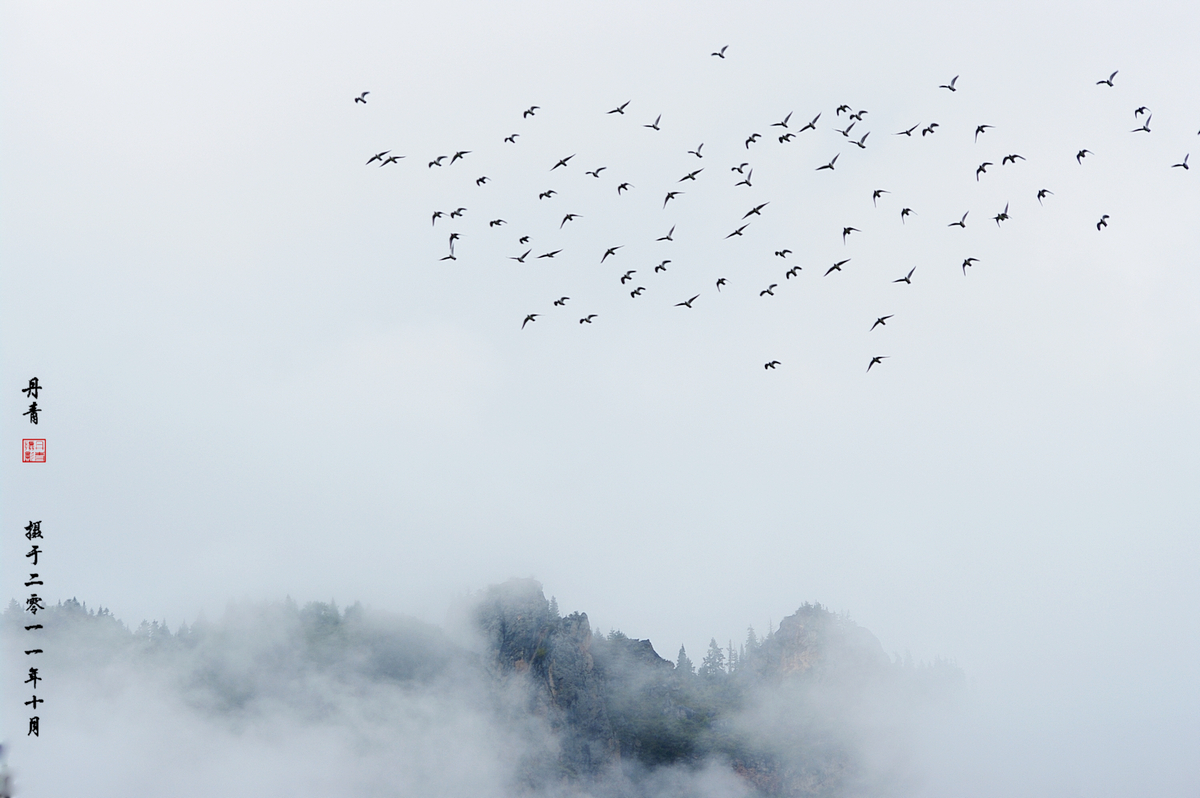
{"type": "Point", "coordinates": [33, 450]}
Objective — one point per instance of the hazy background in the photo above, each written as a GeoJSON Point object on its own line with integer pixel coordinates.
{"type": "Point", "coordinates": [260, 380]}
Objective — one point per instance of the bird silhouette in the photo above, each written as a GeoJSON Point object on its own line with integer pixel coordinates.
{"type": "Point", "coordinates": [662, 267]}
{"type": "Point", "coordinates": [437, 161]}
{"type": "Point", "coordinates": [588, 319]}
{"type": "Point", "coordinates": [362, 98]}
{"type": "Point", "coordinates": [670, 196]}
{"type": "Point", "coordinates": [862, 143]}
{"type": "Point", "coordinates": [391, 159]}
{"type": "Point", "coordinates": [1100, 225]}
{"type": "Point", "coordinates": [596, 172]}
{"type": "Point", "coordinates": [738, 231]}
{"type": "Point", "coordinates": [1002, 216]}
{"type": "Point", "coordinates": [721, 53]}
{"type": "Point", "coordinates": [561, 301]}
{"type": "Point", "coordinates": [968, 262]}
{"type": "Point", "coordinates": [570, 217]}
{"type": "Point", "coordinates": [458, 156]}
{"type": "Point", "coordinates": [950, 86]}
{"type": "Point", "coordinates": [720, 282]}
{"type": "Point", "coordinates": [784, 123]}
{"type": "Point", "coordinates": [481, 180]}
{"type": "Point", "coordinates": [654, 125]}
{"type": "Point", "coordinates": [1079, 156]}
{"type": "Point", "coordinates": [745, 182]}
{"type": "Point", "coordinates": [623, 187]}
{"type": "Point", "coordinates": [841, 108]}
{"type": "Point", "coordinates": [982, 170]}
{"type": "Point", "coordinates": [858, 116]}
{"type": "Point", "coordinates": [769, 290]}
{"type": "Point", "coordinates": [627, 276]}
{"type": "Point", "coordinates": [830, 164]}
{"type": "Point", "coordinates": [1007, 159]}
{"type": "Point", "coordinates": [771, 364]}
{"type": "Point", "coordinates": [496, 222]}
{"type": "Point", "coordinates": [690, 175]}
{"type": "Point", "coordinates": [547, 194]}
{"type": "Point", "coordinates": [782, 253]}
{"type": "Point", "coordinates": [549, 254]}
{"type": "Point", "coordinates": [1139, 111]}
{"type": "Point", "coordinates": [668, 236]}
{"type": "Point", "coordinates": [960, 223]}
{"type": "Point", "coordinates": [637, 292]}
{"type": "Point", "coordinates": [530, 112]}
{"type": "Point", "coordinates": [846, 133]}
{"type": "Point", "coordinates": [529, 318]}
{"type": "Point", "coordinates": [752, 139]}
{"type": "Point", "coordinates": [756, 210]}
{"type": "Point", "coordinates": [908, 132]}
{"type": "Point", "coordinates": [379, 157]}
{"type": "Point", "coordinates": [792, 272]}
{"type": "Point", "coordinates": [905, 212]}
{"type": "Point", "coordinates": [696, 151]}
{"type": "Point", "coordinates": [1183, 163]}
{"type": "Point", "coordinates": [687, 303]}
{"type": "Point", "coordinates": [511, 139]}
{"type": "Point", "coordinates": [837, 267]}
{"type": "Point", "coordinates": [1042, 194]}
{"type": "Point", "coordinates": [522, 258]}
{"type": "Point", "coordinates": [740, 168]}
{"type": "Point", "coordinates": [811, 125]}
{"type": "Point", "coordinates": [786, 137]}
{"type": "Point", "coordinates": [880, 322]}
{"type": "Point", "coordinates": [609, 251]}
{"type": "Point", "coordinates": [456, 213]}
{"type": "Point", "coordinates": [523, 240]}
{"type": "Point", "coordinates": [981, 129]}
{"type": "Point", "coordinates": [620, 109]}
{"type": "Point", "coordinates": [847, 231]}
{"type": "Point", "coordinates": [1109, 81]}
{"type": "Point", "coordinates": [1145, 128]}
{"type": "Point", "coordinates": [928, 129]}
{"type": "Point", "coordinates": [437, 215]}
{"type": "Point", "coordinates": [907, 279]}
{"type": "Point", "coordinates": [562, 162]}
{"type": "Point", "coordinates": [878, 359]}
{"type": "Point", "coordinates": [876, 194]}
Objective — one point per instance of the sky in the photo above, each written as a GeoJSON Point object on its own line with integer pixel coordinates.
{"type": "Point", "coordinates": [260, 378]}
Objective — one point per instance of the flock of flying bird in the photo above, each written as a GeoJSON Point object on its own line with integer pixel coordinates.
{"type": "Point", "coordinates": [744, 171]}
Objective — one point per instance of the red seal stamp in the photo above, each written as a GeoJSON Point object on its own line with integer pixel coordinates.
{"type": "Point", "coordinates": [33, 450]}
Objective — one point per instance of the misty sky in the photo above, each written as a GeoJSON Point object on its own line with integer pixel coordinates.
{"type": "Point", "coordinates": [261, 380]}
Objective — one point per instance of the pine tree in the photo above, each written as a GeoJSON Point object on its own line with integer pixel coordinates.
{"type": "Point", "coordinates": [683, 664]}
{"type": "Point", "coordinates": [554, 608]}
{"type": "Point", "coordinates": [714, 661]}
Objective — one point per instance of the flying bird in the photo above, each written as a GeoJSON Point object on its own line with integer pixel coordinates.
{"type": "Point", "coordinates": [720, 282]}
{"type": "Point", "coordinates": [481, 180]}
{"type": "Point", "coordinates": [458, 156]}
{"type": "Point", "coordinates": [662, 267]}
{"type": "Point", "coordinates": [908, 132]}
{"type": "Point", "coordinates": [1042, 194]}
{"type": "Point", "coordinates": [670, 196]}
{"type": "Point", "coordinates": [627, 276]}
{"type": "Point", "coordinates": [740, 168]}
{"type": "Point", "coordinates": [620, 109]}
{"type": "Point", "coordinates": [772, 364]}
{"type": "Point", "coordinates": [782, 253]}
{"type": "Point", "coordinates": [1109, 81]}
{"type": "Point", "coordinates": [523, 240]}
{"type": "Point", "coordinates": [930, 128]}
{"type": "Point", "coordinates": [550, 254]}
{"type": "Point", "coordinates": [1007, 159]}
{"type": "Point", "coordinates": [982, 170]}
{"type": "Point", "coordinates": [1002, 216]}
{"type": "Point", "coordinates": [862, 143]}
{"type": "Point", "coordinates": [745, 182]}
{"type": "Point", "coordinates": [905, 212]}
{"type": "Point", "coordinates": [756, 210]}
{"type": "Point", "coordinates": [1079, 156]}
{"type": "Point", "coordinates": [907, 279]}
{"type": "Point", "coordinates": [846, 132]}
{"type": "Point", "coordinates": [1184, 163]}
{"type": "Point", "coordinates": [837, 267]}
{"type": "Point", "coordinates": [547, 194]}
{"type": "Point", "coordinates": [362, 98]}
{"type": "Point", "coordinates": [511, 139]}
{"type": "Point", "coordinates": [609, 251]}
{"type": "Point", "coordinates": [721, 53]}
{"type": "Point", "coordinates": [1103, 222]}
{"type": "Point", "coordinates": [753, 138]}
{"type": "Point", "coordinates": [562, 162]}
{"type": "Point", "coordinates": [637, 292]}
{"type": "Point", "coordinates": [769, 290]}
{"type": "Point", "coordinates": [570, 217]}
{"type": "Point", "coordinates": [792, 272]}
{"type": "Point", "coordinates": [738, 231]}
{"type": "Point", "coordinates": [696, 151]}
{"type": "Point", "coordinates": [496, 222]}
{"type": "Point", "coordinates": [690, 175]}
{"type": "Point", "coordinates": [529, 318]}
{"type": "Point", "coordinates": [876, 194]}
{"type": "Point", "coordinates": [587, 319]}
{"type": "Point", "coordinates": [841, 108]}
{"type": "Point", "coordinates": [784, 123]}
{"type": "Point", "coordinates": [1145, 128]}
{"type": "Point", "coordinates": [811, 125]}
{"type": "Point", "coordinates": [858, 117]}
{"type": "Point", "coordinates": [530, 112]}
{"type": "Point", "coordinates": [1139, 111]}
{"type": "Point", "coordinates": [561, 301]}
{"type": "Point", "coordinates": [522, 258]}
{"type": "Point", "coordinates": [786, 137]}
{"type": "Point", "coordinates": [670, 233]}
{"type": "Point", "coordinates": [437, 215]}
{"type": "Point", "coordinates": [456, 213]}
{"type": "Point", "coordinates": [437, 161]}
{"type": "Point", "coordinates": [847, 231]}
{"type": "Point", "coordinates": [830, 164]}
{"type": "Point", "coordinates": [654, 126]}
{"type": "Point", "coordinates": [960, 223]}
{"type": "Point", "coordinates": [880, 322]}
{"type": "Point", "coordinates": [596, 172]}
{"type": "Point", "coordinates": [968, 262]}
{"type": "Point", "coordinates": [981, 129]}
{"type": "Point", "coordinates": [623, 187]}
{"type": "Point", "coordinates": [951, 84]}
{"type": "Point", "coordinates": [379, 157]}
{"type": "Point", "coordinates": [687, 303]}
{"type": "Point", "coordinates": [877, 359]}
{"type": "Point", "coordinates": [391, 159]}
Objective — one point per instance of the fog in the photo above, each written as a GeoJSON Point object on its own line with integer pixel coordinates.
{"type": "Point", "coordinates": [261, 379]}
